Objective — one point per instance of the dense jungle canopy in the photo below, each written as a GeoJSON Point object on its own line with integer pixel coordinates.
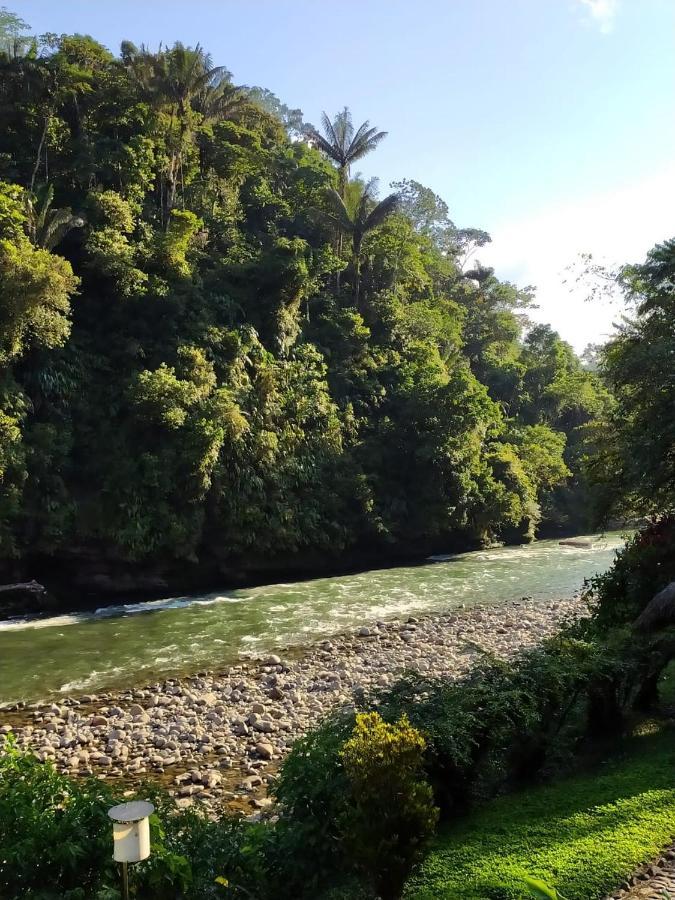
{"type": "Point", "coordinates": [218, 342]}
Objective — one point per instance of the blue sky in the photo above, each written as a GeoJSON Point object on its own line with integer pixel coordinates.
{"type": "Point", "coordinates": [550, 123]}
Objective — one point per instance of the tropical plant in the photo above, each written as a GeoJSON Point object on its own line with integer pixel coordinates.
{"type": "Point", "coordinates": [365, 214]}
{"type": "Point", "coordinates": [47, 226]}
{"type": "Point", "coordinates": [539, 888]}
{"type": "Point", "coordinates": [343, 144]}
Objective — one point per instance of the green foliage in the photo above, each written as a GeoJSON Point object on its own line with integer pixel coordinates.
{"type": "Point", "coordinates": [581, 835]}
{"type": "Point", "coordinates": [635, 445]}
{"type": "Point", "coordinates": [391, 812]}
{"type": "Point", "coordinates": [55, 835]}
{"type": "Point", "coordinates": [35, 303]}
{"type": "Point", "coordinates": [223, 356]}
{"type": "Point", "coordinates": [540, 889]}
{"type": "Point", "coordinates": [313, 791]}
{"type": "Point", "coordinates": [56, 841]}
{"type": "Point", "coordinates": [641, 569]}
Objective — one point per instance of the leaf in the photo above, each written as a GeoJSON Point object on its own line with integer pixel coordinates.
{"type": "Point", "coordinates": [539, 889]}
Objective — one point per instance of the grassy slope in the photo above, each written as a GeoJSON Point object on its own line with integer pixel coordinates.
{"type": "Point", "coordinates": [583, 835]}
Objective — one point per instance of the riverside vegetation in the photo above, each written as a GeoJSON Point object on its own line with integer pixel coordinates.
{"type": "Point", "coordinates": [222, 351]}
{"type": "Point", "coordinates": [248, 364]}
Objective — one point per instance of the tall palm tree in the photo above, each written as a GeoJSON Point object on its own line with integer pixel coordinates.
{"type": "Point", "coordinates": [344, 145]}
{"type": "Point", "coordinates": [365, 215]}
{"type": "Point", "coordinates": [179, 81]}
{"type": "Point", "coordinates": [47, 227]}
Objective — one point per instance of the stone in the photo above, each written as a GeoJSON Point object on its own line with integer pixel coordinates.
{"type": "Point", "coordinates": [252, 782]}
{"type": "Point", "coordinates": [272, 660]}
{"type": "Point", "coordinates": [264, 750]}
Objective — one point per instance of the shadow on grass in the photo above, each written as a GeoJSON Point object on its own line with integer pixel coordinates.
{"type": "Point", "coordinates": [583, 835]}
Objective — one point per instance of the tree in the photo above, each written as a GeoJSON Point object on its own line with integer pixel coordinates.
{"type": "Point", "coordinates": [184, 409]}
{"type": "Point", "coordinates": [174, 80]}
{"type": "Point", "coordinates": [635, 466]}
{"type": "Point", "coordinates": [344, 145]}
{"type": "Point", "coordinates": [12, 29]}
{"type": "Point", "coordinates": [48, 226]}
{"type": "Point", "coordinates": [366, 215]}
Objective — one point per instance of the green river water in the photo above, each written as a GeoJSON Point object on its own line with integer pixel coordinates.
{"type": "Point", "coordinates": [136, 643]}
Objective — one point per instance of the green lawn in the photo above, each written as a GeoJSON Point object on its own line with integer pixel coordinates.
{"type": "Point", "coordinates": [583, 835]}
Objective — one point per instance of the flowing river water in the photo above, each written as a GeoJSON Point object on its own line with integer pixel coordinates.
{"type": "Point", "coordinates": [120, 646]}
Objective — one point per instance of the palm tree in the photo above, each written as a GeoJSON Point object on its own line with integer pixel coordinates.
{"type": "Point", "coordinates": [365, 215]}
{"type": "Point", "coordinates": [180, 80]}
{"type": "Point", "coordinates": [47, 227]}
{"type": "Point", "coordinates": [344, 145]}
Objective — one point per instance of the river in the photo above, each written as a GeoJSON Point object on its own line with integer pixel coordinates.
{"type": "Point", "coordinates": [123, 645]}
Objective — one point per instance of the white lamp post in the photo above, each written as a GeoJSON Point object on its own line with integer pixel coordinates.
{"type": "Point", "coordinates": [131, 836]}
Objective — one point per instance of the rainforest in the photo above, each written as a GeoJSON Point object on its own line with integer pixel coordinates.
{"type": "Point", "coordinates": [224, 351]}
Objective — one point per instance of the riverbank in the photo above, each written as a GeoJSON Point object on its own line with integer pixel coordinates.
{"type": "Point", "coordinates": [217, 737]}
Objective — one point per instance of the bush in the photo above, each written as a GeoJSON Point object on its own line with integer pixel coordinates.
{"type": "Point", "coordinates": [54, 833]}
{"type": "Point", "coordinates": [312, 790]}
{"type": "Point", "coordinates": [641, 569]}
{"type": "Point", "coordinates": [56, 842]}
{"type": "Point", "coordinates": [392, 811]}
{"type": "Point", "coordinates": [508, 723]}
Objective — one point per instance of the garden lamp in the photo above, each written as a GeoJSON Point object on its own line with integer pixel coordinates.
{"type": "Point", "coordinates": [131, 836]}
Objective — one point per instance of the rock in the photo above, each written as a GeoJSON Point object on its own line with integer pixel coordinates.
{"type": "Point", "coordinates": [264, 750]}
{"type": "Point", "coordinates": [252, 782]}
{"type": "Point", "coordinates": [264, 726]}
{"type": "Point", "coordinates": [364, 631]}
{"type": "Point", "coordinates": [272, 660]}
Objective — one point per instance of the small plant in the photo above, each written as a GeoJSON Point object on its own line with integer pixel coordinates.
{"type": "Point", "coordinates": [392, 811]}
{"type": "Point", "coordinates": [540, 889]}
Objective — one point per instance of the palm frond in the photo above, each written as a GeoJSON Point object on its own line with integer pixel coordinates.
{"type": "Point", "coordinates": [367, 141]}
{"type": "Point", "coordinates": [382, 211]}
{"type": "Point", "coordinates": [337, 212]}
{"type": "Point", "coordinates": [331, 136]}
{"type": "Point", "coordinates": [325, 146]}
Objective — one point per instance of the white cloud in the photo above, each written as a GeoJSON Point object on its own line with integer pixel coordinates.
{"type": "Point", "coordinates": [602, 12]}
{"type": "Point", "coordinates": [616, 227]}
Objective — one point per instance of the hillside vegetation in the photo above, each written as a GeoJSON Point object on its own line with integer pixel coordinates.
{"type": "Point", "coordinates": [219, 344]}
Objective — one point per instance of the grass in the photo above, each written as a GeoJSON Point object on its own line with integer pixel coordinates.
{"type": "Point", "coordinates": [583, 835]}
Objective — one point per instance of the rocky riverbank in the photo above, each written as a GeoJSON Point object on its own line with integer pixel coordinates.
{"type": "Point", "coordinates": [217, 737]}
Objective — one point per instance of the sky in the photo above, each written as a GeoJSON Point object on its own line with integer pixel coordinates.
{"type": "Point", "coordinates": [548, 123]}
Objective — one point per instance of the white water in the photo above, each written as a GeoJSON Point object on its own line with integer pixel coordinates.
{"type": "Point", "coordinates": [131, 643]}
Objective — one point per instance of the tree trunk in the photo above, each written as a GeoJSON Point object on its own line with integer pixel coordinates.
{"type": "Point", "coordinates": [357, 273]}
{"type": "Point", "coordinates": [43, 136]}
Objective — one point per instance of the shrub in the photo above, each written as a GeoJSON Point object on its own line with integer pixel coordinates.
{"type": "Point", "coordinates": [641, 569]}
{"type": "Point", "coordinates": [505, 723]}
{"type": "Point", "coordinates": [56, 842]}
{"type": "Point", "coordinates": [54, 833]}
{"type": "Point", "coordinates": [312, 791]}
{"type": "Point", "coordinates": [392, 811]}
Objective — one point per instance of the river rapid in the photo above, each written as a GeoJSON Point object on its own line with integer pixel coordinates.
{"type": "Point", "coordinates": [132, 644]}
